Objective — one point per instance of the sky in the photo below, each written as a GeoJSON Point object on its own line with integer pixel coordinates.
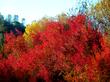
{"type": "Point", "coordinates": [35, 9]}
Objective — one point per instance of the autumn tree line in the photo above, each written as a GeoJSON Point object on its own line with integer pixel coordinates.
{"type": "Point", "coordinates": [97, 14]}
{"type": "Point", "coordinates": [68, 48]}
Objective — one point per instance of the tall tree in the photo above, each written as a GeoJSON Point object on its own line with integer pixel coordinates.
{"type": "Point", "coordinates": [1, 32]}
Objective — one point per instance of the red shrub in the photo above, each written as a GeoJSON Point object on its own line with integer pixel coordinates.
{"type": "Point", "coordinates": [63, 52]}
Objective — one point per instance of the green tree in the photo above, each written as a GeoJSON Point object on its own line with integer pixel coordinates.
{"type": "Point", "coordinates": [1, 32]}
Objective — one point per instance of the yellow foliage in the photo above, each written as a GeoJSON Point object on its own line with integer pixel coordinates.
{"type": "Point", "coordinates": [101, 9]}
{"type": "Point", "coordinates": [34, 28]}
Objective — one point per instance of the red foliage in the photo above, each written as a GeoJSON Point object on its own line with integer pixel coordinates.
{"type": "Point", "coordinates": [73, 49]}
